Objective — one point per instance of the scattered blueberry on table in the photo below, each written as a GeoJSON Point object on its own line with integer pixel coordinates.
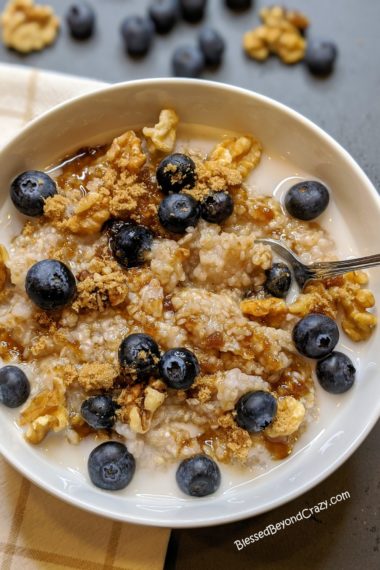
{"type": "Point", "coordinates": [336, 373]}
{"type": "Point", "coordinates": [193, 10]}
{"type": "Point", "coordinates": [307, 200]}
{"type": "Point", "coordinates": [238, 5]}
{"type": "Point", "coordinates": [137, 33]}
{"type": "Point", "coordinates": [14, 386]}
{"type": "Point", "coordinates": [111, 466]}
{"type": "Point", "coordinates": [99, 411]}
{"type": "Point", "coordinates": [278, 280]}
{"type": "Point", "coordinates": [164, 14]}
{"type": "Point", "coordinates": [188, 61]}
{"type": "Point", "coordinates": [80, 19]}
{"type": "Point", "coordinates": [177, 212]}
{"type": "Point", "coordinates": [130, 243]}
{"type": "Point", "coordinates": [179, 367]}
{"type": "Point", "coordinates": [176, 172]}
{"type": "Point", "coordinates": [139, 355]}
{"type": "Point", "coordinates": [198, 476]}
{"type": "Point", "coordinates": [212, 45]}
{"type": "Point", "coordinates": [256, 410]}
{"type": "Point", "coordinates": [316, 335]}
{"type": "Point", "coordinates": [29, 191]}
{"type": "Point", "coordinates": [320, 56]}
{"type": "Point", "coordinates": [216, 207]}
{"type": "Point", "coordinates": [50, 284]}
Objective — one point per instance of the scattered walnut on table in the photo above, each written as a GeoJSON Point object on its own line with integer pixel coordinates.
{"type": "Point", "coordinates": [27, 26]}
{"type": "Point", "coordinates": [162, 136]}
{"type": "Point", "coordinates": [279, 34]}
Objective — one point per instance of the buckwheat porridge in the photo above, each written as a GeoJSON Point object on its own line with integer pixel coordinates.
{"type": "Point", "coordinates": [138, 312]}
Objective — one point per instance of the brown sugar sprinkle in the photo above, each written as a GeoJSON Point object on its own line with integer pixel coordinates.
{"type": "Point", "coordinates": [227, 442]}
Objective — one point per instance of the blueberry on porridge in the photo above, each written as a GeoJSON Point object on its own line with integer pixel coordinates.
{"type": "Point", "coordinates": [138, 311]}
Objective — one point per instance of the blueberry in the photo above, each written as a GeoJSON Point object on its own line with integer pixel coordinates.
{"type": "Point", "coordinates": [80, 18]}
{"type": "Point", "coordinates": [307, 200]}
{"type": "Point", "coordinates": [177, 212]}
{"type": "Point", "coordinates": [14, 386]}
{"type": "Point", "coordinates": [255, 411]}
{"type": "Point", "coordinates": [336, 373]}
{"type": "Point", "coordinates": [130, 243]}
{"type": "Point", "coordinates": [139, 356]}
{"type": "Point", "coordinates": [178, 368]}
{"type": "Point", "coordinates": [216, 207]}
{"type": "Point", "coordinates": [212, 45]}
{"type": "Point", "coordinates": [198, 476]}
{"type": "Point", "coordinates": [315, 335]}
{"type": "Point", "coordinates": [320, 56]}
{"type": "Point", "coordinates": [30, 190]}
{"type": "Point", "coordinates": [188, 61]}
{"type": "Point", "coordinates": [176, 172]}
{"type": "Point", "coordinates": [99, 412]}
{"type": "Point", "coordinates": [278, 280]}
{"type": "Point", "coordinates": [111, 466]}
{"type": "Point", "coordinates": [164, 14]}
{"type": "Point", "coordinates": [238, 5]}
{"type": "Point", "coordinates": [192, 10]}
{"type": "Point", "coordinates": [50, 284]}
{"type": "Point", "coordinates": [137, 32]}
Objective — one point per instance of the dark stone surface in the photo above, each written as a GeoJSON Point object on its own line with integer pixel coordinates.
{"type": "Point", "coordinates": [346, 536]}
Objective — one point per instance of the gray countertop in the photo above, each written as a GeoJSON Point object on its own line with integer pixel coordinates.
{"type": "Point", "coordinates": [346, 105]}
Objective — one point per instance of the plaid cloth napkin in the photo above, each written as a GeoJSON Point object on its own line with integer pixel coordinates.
{"type": "Point", "coordinates": [37, 530]}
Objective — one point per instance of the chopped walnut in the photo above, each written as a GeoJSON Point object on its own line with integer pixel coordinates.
{"type": "Point", "coordinates": [90, 213]}
{"type": "Point", "coordinates": [104, 284]}
{"type": "Point", "coordinates": [138, 404]}
{"type": "Point", "coordinates": [321, 297]}
{"type": "Point", "coordinates": [230, 441]}
{"type": "Point", "coordinates": [268, 310]}
{"type": "Point", "coordinates": [27, 26]}
{"type": "Point", "coordinates": [163, 135]}
{"type": "Point", "coordinates": [126, 152]}
{"type": "Point", "coordinates": [96, 376]}
{"type": "Point", "coordinates": [280, 34]}
{"type": "Point", "coordinates": [46, 411]}
{"type": "Point", "coordinates": [240, 153]}
{"type": "Point", "coordinates": [290, 415]}
{"type": "Point", "coordinates": [4, 271]}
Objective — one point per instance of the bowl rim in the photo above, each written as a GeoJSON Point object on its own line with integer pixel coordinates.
{"type": "Point", "coordinates": [373, 417]}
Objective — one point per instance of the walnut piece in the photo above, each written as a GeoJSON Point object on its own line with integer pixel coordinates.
{"type": "Point", "coordinates": [319, 297]}
{"type": "Point", "coordinates": [46, 411]}
{"type": "Point", "coordinates": [90, 213]}
{"type": "Point", "coordinates": [104, 284]}
{"type": "Point", "coordinates": [279, 34]}
{"type": "Point", "coordinates": [126, 152]}
{"type": "Point", "coordinates": [97, 376]}
{"type": "Point", "coordinates": [138, 404]}
{"type": "Point", "coordinates": [290, 415]}
{"type": "Point", "coordinates": [163, 135]}
{"type": "Point", "coordinates": [240, 153]}
{"type": "Point", "coordinates": [27, 26]}
{"type": "Point", "coordinates": [269, 310]}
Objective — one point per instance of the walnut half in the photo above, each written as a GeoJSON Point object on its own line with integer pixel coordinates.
{"type": "Point", "coordinates": [27, 26]}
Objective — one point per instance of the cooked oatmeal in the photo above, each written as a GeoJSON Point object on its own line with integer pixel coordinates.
{"type": "Point", "coordinates": [202, 290]}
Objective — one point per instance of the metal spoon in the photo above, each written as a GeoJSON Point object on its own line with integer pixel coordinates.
{"type": "Point", "coordinates": [321, 270]}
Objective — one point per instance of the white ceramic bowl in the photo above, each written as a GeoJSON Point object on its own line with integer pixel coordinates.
{"type": "Point", "coordinates": [344, 420]}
